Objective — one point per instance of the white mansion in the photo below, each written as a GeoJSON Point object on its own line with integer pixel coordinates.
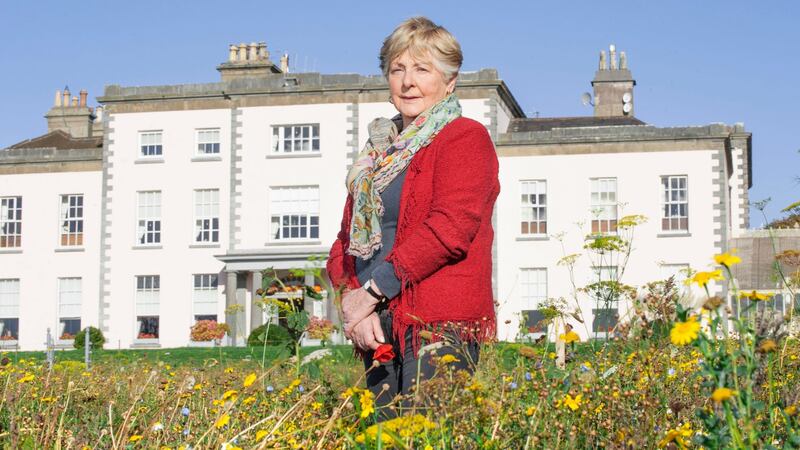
{"type": "Point", "coordinates": [162, 206]}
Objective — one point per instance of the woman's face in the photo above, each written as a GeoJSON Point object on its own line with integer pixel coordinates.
{"type": "Point", "coordinates": [416, 85]}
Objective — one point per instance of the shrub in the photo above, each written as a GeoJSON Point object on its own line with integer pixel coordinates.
{"type": "Point", "coordinates": [207, 330]}
{"type": "Point", "coordinates": [95, 336]}
{"type": "Point", "coordinates": [278, 335]}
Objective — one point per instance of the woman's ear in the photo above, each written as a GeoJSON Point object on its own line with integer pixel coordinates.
{"type": "Point", "coordinates": [451, 85]}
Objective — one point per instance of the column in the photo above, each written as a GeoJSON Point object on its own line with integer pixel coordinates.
{"type": "Point", "coordinates": [256, 308]}
{"type": "Point", "coordinates": [230, 300]}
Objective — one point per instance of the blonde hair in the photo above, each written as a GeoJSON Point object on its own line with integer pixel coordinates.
{"type": "Point", "coordinates": [420, 36]}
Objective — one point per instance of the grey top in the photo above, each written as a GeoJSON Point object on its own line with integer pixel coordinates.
{"type": "Point", "coordinates": [375, 267]}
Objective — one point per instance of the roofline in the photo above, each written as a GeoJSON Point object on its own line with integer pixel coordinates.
{"type": "Point", "coordinates": [300, 83]}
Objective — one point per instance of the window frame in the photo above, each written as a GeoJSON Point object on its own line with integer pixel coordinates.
{"type": "Point", "coordinates": [159, 147]}
{"type": "Point", "coordinates": [155, 219]}
{"type": "Point", "coordinates": [199, 222]}
{"type": "Point", "coordinates": [665, 192]}
{"type": "Point", "coordinates": [598, 208]}
{"type": "Point", "coordinates": [532, 303]}
{"type": "Point", "coordinates": [13, 203]}
{"type": "Point", "coordinates": [279, 139]}
{"type": "Point", "coordinates": [309, 215]}
{"type": "Point", "coordinates": [62, 317]}
{"type": "Point", "coordinates": [66, 237]}
{"type": "Point", "coordinates": [538, 209]}
{"type": "Point", "coordinates": [200, 142]}
{"type": "Point", "coordinates": [138, 314]}
{"type": "Point", "coordinates": [206, 285]}
{"type": "Point", "coordinates": [14, 294]}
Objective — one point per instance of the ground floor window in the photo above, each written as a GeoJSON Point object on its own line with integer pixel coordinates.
{"type": "Point", "coordinates": [148, 327]}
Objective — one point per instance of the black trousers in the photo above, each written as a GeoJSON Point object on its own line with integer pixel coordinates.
{"type": "Point", "coordinates": [400, 375]}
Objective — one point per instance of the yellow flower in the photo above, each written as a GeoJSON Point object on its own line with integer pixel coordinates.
{"type": "Point", "coordinates": [722, 394]}
{"type": "Point", "coordinates": [135, 438]}
{"type": "Point", "coordinates": [367, 403]}
{"type": "Point", "coordinates": [229, 370]}
{"type": "Point", "coordinates": [448, 358]}
{"type": "Point", "coordinates": [428, 447]}
{"type": "Point", "coordinates": [250, 380]}
{"type": "Point", "coordinates": [677, 435]}
{"type": "Point", "coordinates": [790, 410]}
{"type": "Point", "coordinates": [702, 278]}
{"type": "Point", "coordinates": [222, 421]}
{"type": "Point", "coordinates": [755, 296]}
{"type": "Point", "coordinates": [727, 259]}
{"type": "Point", "coordinates": [230, 395]}
{"type": "Point", "coordinates": [260, 435]}
{"type": "Point", "coordinates": [28, 377]}
{"type": "Point", "coordinates": [529, 412]}
{"type": "Point", "coordinates": [570, 337]}
{"type": "Point", "coordinates": [573, 403]}
{"type": "Point", "coordinates": [683, 333]}
{"type": "Point", "coordinates": [316, 405]}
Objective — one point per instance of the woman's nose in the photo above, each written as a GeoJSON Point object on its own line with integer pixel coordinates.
{"type": "Point", "coordinates": [408, 78]}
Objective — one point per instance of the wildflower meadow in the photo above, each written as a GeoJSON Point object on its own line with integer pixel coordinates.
{"type": "Point", "coordinates": [671, 373]}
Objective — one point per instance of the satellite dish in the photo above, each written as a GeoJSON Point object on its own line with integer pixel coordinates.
{"type": "Point", "coordinates": [626, 97]}
{"type": "Point", "coordinates": [626, 108]}
{"type": "Point", "coordinates": [586, 99]}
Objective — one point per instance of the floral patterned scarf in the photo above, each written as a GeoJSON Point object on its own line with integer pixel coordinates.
{"type": "Point", "coordinates": [385, 155]}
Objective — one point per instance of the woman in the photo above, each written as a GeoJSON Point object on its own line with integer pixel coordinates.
{"type": "Point", "coordinates": [414, 249]}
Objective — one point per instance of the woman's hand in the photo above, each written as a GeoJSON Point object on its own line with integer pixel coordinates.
{"type": "Point", "coordinates": [367, 334]}
{"type": "Point", "coordinates": [356, 306]}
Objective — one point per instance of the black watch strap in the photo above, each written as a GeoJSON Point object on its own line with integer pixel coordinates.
{"type": "Point", "coordinates": [372, 292]}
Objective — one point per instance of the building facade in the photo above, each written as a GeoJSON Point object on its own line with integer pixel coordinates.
{"type": "Point", "coordinates": [197, 188]}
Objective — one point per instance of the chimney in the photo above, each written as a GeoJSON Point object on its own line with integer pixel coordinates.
{"type": "Point", "coordinates": [247, 61]}
{"type": "Point", "coordinates": [613, 85]}
{"type": "Point", "coordinates": [71, 114]}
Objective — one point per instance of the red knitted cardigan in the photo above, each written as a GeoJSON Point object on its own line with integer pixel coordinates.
{"type": "Point", "coordinates": [442, 252]}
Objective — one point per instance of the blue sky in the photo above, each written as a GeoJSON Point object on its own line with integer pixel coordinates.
{"type": "Point", "coordinates": [695, 62]}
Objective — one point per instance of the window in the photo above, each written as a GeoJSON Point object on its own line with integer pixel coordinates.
{"type": "Point", "coordinates": [603, 273]}
{"type": "Point", "coordinates": [534, 207]}
{"type": "Point", "coordinates": [294, 213]}
{"type": "Point", "coordinates": [71, 219]}
{"type": "Point", "coordinates": [604, 205]}
{"type": "Point", "coordinates": [204, 297]}
{"type": "Point", "coordinates": [533, 291]}
{"type": "Point", "coordinates": [206, 215]}
{"type": "Point", "coordinates": [605, 319]}
{"type": "Point", "coordinates": [295, 138]}
{"type": "Point", "coordinates": [10, 222]}
{"type": "Point", "coordinates": [147, 299]}
{"type": "Point", "coordinates": [148, 230]}
{"type": "Point", "coordinates": [150, 143]}
{"type": "Point", "coordinates": [208, 141]}
{"type": "Point", "coordinates": [69, 307]}
{"type": "Point", "coordinates": [676, 203]}
{"type": "Point", "coordinates": [9, 310]}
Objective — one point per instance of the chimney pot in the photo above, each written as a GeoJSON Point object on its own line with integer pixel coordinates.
{"type": "Point", "coordinates": [252, 51]}
{"type": "Point", "coordinates": [58, 98]}
{"type": "Point", "coordinates": [262, 51]}
{"type": "Point", "coordinates": [66, 96]}
{"type": "Point", "coordinates": [231, 53]}
{"type": "Point", "coordinates": [603, 64]}
{"type": "Point", "coordinates": [242, 52]}
{"type": "Point", "coordinates": [623, 61]}
{"type": "Point", "coordinates": [74, 102]}
{"type": "Point", "coordinates": [83, 95]}
{"type": "Point", "coordinates": [285, 63]}
{"type": "Point", "coordinates": [613, 56]}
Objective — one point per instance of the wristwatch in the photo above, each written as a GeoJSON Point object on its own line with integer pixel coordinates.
{"type": "Point", "coordinates": [368, 287]}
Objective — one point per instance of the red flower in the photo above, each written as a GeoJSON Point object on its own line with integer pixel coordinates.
{"type": "Point", "coordinates": [384, 353]}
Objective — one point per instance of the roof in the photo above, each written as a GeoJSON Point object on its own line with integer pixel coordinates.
{"type": "Point", "coordinates": [549, 123]}
{"type": "Point", "coordinates": [59, 140]}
